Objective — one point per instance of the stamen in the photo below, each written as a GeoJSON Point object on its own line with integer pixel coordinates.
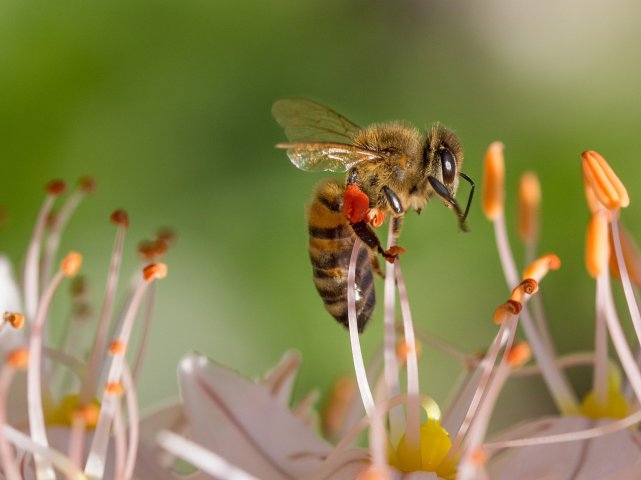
{"type": "Point", "coordinates": [18, 358]}
{"type": "Point", "coordinates": [493, 192]}
{"type": "Point", "coordinates": [529, 203]}
{"type": "Point", "coordinates": [15, 319]}
{"type": "Point", "coordinates": [631, 257]}
{"type": "Point", "coordinates": [155, 271]}
{"type": "Point", "coordinates": [506, 311]}
{"type": "Point", "coordinates": [359, 366]}
{"type": "Point", "coordinates": [540, 267]}
{"type": "Point", "coordinates": [117, 347]}
{"type": "Point", "coordinates": [597, 248]}
{"type": "Point", "coordinates": [607, 187]}
{"type": "Point", "coordinates": [405, 349]}
{"type": "Point", "coordinates": [373, 472]}
{"type": "Point", "coordinates": [87, 185]}
{"type": "Point", "coordinates": [120, 218]}
{"type": "Point", "coordinates": [519, 354]}
{"type": "Point", "coordinates": [523, 290]}
{"type": "Point", "coordinates": [56, 187]}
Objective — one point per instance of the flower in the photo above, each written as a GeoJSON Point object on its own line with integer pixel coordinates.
{"type": "Point", "coordinates": [62, 418]}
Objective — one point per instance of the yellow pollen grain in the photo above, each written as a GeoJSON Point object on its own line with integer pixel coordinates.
{"type": "Point", "coordinates": [597, 246]}
{"type": "Point", "coordinates": [493, 192]}
{"type": "Point", "coordinates": [529, 202]}
{"type": "Point", "coordinates": [15, 319]}
{"type": "Point", "coordinates": [18, 358]}
{"type": "Point", "coordinates": [114, 388]}
{"type": "Point", "coordinates": [154, 271]}
{"type": "Point", "coordinates": [607, 186]}
{"type": "Point", "coordinates": [541, 266]}
{"type": "Point", "coordinates": [71, 264]}
{"type": "Point", "coordinates": [519, 354]}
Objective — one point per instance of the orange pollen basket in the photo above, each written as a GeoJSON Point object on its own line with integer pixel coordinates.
{"type": "Point", "coordinates": [355, 204]}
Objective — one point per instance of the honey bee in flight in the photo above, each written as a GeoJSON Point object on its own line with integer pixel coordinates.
{"type": "Point", "coordinates": [391, 168]}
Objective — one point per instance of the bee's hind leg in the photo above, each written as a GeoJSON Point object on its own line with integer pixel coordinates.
{"type": "Point", "coordinates": [368, 236]}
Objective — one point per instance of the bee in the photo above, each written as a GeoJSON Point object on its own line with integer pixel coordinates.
{"type": "Point", "coordinates": [391, 168]}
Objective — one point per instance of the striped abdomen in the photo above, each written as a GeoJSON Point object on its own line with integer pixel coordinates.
{"type": "Point", "coordinates": [331, 240]}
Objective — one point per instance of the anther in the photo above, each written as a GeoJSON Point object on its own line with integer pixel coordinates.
{"type": "Point", "coordinates": [87, 185]}
{"type": "Point", "coordinates": [18, 358]}
{"type": "Point", "coordinates": [89, 413]}
{"type": "Point", "coordinates": [56, 187]}
{"type": "Point", "coordinates": [478, 457]}
{"type": "Point", "coordinates": [404, 349]}
{"type": "Point", "coordinates": [373, 473]}
{"type": "Point", "coordinates": [529, 202]}
{"type": "Point", "coordinates": [506, 311]}
{"type": "Point", "coordinates": [71, 264]}
{"type": "Point", "coordinates": [519, 354]}
{"type": "Point", "coordinates": [493, 180]}
{"type": "Point", "coordinates": [541, 266]}
{"type": "Point", "coordinates": [154, 271]}
{"type": "Point", "coordinates": [529, 286]}
{"type": "Point", "coordinates": [114, 388]}
{"type": "Point", "coordinates": [120, 218]}
{"type": "Point", "coordinates": [15, 319]}
{"type": "Point", "coordinates": [117, 347]}
{"type": "Point", "coordinates": [147, 250]}
{"type": "Point", "coordinates": [607, 187]}
{"type": "Point", "coordinates": [597, 246]}
{"type": "Point", "coordinates": [166, 235]}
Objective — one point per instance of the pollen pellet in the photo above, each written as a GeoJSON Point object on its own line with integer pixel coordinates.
{"type": "Point", "coordinates": [71, 264]}
{"type": "Point", "coordinates": [120, 218]}
{"type": "Point", "coordinates": [18, 358]}
{"type": "Point", "coordinates": [529, 201]}
{"type": "Point", "coordinates": [506, 310]}
{"type": "Point", "coordinates": [519, 354]}
{"type": "Point", "coordinates": [597, 247]}
{"type": "Point", "coordinates": [607, 186]}
{"type": "Point", "coordinates": [114, 388]}
{"type": "Point", "coordinates": [117, 347]}
{"type": "Point", "coordinates": [15, 319]}
{"type": "Point", "coordinates": [56, 187]}
{"type": "Point", "coordinates": [493, 181]}
{"type": "Point", "coordinates": [155, 270]}
{"type": "Point", "coordinates": [540, 267]}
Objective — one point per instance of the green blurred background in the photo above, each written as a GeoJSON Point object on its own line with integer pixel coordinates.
{"type": "Point", "coordinates": [167, 104]}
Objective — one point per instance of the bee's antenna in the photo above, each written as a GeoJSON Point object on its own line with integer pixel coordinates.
{"type": "Point", "coordinates": [469, 199]}
{"type": "Point", "coordinates": [442, 191]}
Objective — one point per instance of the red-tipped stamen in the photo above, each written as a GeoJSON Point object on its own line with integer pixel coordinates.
{"type": "Point", "coordinates": [200, 457]}
{"type": "Point", "coordinates": [359, 366]}
{"type": "Point", "coordinates": [15, 319]}
{"type": "Point", "coordinates": [396, 420]}
{"type": "Point", "coordinates": [88, 388]}
{"type": "Point", "coordinates": [85, 186]}
{"type": "Point", "coordinates": [606, 185]}
{"type": "Point", "coordinates": [32, 262]}
{"type": "Point", "coordinates": [96, 460]}
{"type": "Point", "coordinates": [413, 423]}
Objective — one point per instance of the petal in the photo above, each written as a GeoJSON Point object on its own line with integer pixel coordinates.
{"type": "Point", "coordinates": [584, 459]}
{"type": "Point", "coordinates": [242, 422]}
{"type": "Point", "coordinates": [280, 380]}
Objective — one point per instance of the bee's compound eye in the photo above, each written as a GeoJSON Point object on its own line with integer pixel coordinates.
{"type": "Point", "coordinates": [448, 165]}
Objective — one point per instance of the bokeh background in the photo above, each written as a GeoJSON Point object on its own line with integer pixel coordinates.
{"type": "Point", "coordinates": [167, 104]}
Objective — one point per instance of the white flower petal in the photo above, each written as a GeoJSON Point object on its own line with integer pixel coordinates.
{"type": "Point", "coordinates": [243, 423]}
{"type": "Point", "coordinates": [280, 380]}
{"type": "Point", "coordinates": [581, 460]}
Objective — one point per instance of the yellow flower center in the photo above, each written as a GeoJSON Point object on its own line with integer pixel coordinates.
{"type": "Point", "coordinates": [430, 456]}
{"type": "Point", "coordinates": [64, 413]}
{"type": "Point", "coordinates": [616, 406]}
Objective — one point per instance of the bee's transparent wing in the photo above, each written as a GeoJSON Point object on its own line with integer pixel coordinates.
{"type": "Point", "coordinates": [319, 156]}
{"type": "Point", "coordinates": [307, 121]}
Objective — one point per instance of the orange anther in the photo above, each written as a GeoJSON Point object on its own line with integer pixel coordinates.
{"type": "Point", "coordinates": [607, 187]}
{"type": "Point", "coordinates": [478, 457]}
{"type": "Point", "coordinates": [519, 354]}
{"type": "Point", "coordinates": [114, 388]}
{"type": "Point", "coordinates": [540, 267]}
{"type": "Point", "coordinates": [56, 187]}
{"type": "Point", "coordinates": [506, 311]}
{"type": "Point", "coordinates": [71, 264]}
{"type": "Point", "coordinates": [529, 286]}
{"type": "Point", "coordinates": [117, 347]}
{"type": "Point", "coordinates": [373, 473]}
{"type": "Point", "coordinates": [119, 217]}
{"type": "Point", "coordinates": [154, 271]}
{"type": "Point", "coordinates": [355, 203]}
{"type": "Point", "coordinates": [493, 191]}
{"type": "Point", "coordinates": [87, 185]}
{"type": "Point", "coordinates": [529, 202]}
{"type": "Point", "coordinates": [15, 319]}
{"type": "Point", "coordinates": [18, 358]}
{"type": "Point", "coordinates": [404, 349]}
{"type": "Point", "coordinates": [597, 247]}
{"type": "Point", "coordinates": [89, 414]}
